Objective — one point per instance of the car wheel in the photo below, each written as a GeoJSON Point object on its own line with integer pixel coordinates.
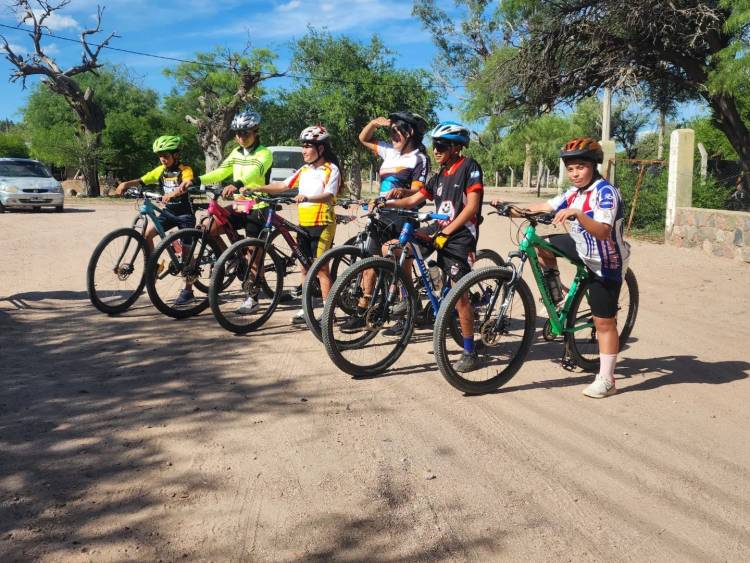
{"type": "Point", "coordinates": [37, 208]}
{"type": "Point", "coordinates": [59, 208]}
{"type": "Point", "coordinates": [2, 208]}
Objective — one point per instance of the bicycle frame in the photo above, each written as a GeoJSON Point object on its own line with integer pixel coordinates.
{"type": "Point", "coordinates": [527, 251]}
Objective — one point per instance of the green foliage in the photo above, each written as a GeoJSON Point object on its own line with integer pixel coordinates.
{"type": "Point", "coordinates": [13, 145]}
{"type": "Point", "coordinates": [133, 120]}
{"type": "Point", "coordinates": [651, 205]}
{"type": "Point", "coordinates": [710, 194]}
{"type": "Point", "coordinates": [713, 139]}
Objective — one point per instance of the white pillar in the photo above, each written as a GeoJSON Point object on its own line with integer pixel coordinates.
{"type": "Point", "coordinates": [704, 161]}
{"type": "Point", "coordinates": [609, 148]}
{"type": "Point", "coordinates": [606, 114]}
{"type": "Point", "coordinates": [561, 177]}
{"type": "Point", "coordinates": [512, 176]}
{"type": "Point", "coordinates": [680, 180]}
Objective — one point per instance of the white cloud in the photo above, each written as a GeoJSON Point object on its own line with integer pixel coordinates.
{"type": "Point", "coordinates": [289, 6]}
{"type": "Point", "coordinates": [57, 22]}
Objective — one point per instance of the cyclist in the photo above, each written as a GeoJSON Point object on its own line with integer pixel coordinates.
{"type": "Point", "coordinates": [403, 172]}
{"type": "Point", "coordinates": [171, 176]}
{"type": "Point", "coordinates": [318, 183]}
{"type": "Point", "coordinates": [596, 238]}
{"type": "Point", "coordinates": [458, 190]}
{"type": "Point", "coordinates": [249, 166]}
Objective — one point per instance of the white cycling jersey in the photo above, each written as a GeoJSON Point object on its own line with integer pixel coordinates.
{"type": "Point", "coordinates": [602, 202]}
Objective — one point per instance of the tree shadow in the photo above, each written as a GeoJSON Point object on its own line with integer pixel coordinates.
{"type": "Point", "coordinates": [84, 405]}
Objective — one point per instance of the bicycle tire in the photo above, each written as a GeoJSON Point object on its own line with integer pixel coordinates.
{"type": "Point", "coordinates": [96, 294]}
{"type": "Point", "coordinates": [336, 257]}
{"type": "Point", "coordinates": [218, 290]}
{"type": "Point", "coordinates": [526, 327]}
{"type": "Point", "coordinates": [176, 270]}
{"type": "Point", "coordinates": [584, 352]}
{"type": "Point", "coordinates": [336, 350]}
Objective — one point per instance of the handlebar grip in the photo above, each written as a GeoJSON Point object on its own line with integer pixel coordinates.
{"type": "Point", "coordinates": [440, 216]}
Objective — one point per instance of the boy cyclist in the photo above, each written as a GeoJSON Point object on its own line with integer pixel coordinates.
{"type": "Point", "coordinates": [248, 165]}
{"type": "Point", "coordinates": [457, 190]}
{"type": "Point", "coordinates": [596, 238]}
{"type": "Point", "coordinates": [318, 183]}
{"type": "Point", "coordinates": [171, 176]}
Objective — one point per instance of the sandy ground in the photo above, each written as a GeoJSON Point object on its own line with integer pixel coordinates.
{"type": "Point", "coordinates": [140, 438]}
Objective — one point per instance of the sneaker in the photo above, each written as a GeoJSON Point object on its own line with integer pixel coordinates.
{"type": "Point", "coordinates": [299, 318]}
{"type": "Point", "coordinates": [248, 307]}
{"type": "Point", "coordinates": [600, 389]}
{"type": "Point", "coordinates": [467, 362]}
{"type": "Point", "coordinates": [399, 310]}
{"type": "Point", "coordinates": [395, 330]}
{"type": "Point", "coordinates": [352, 324]}
{"type": "Point", "coordinates": [185, 297]}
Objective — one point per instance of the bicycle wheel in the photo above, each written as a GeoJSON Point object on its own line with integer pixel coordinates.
{"type": "Point", "coordinates": [504, 325]}
{"type": "Point", "coordinates": [251, 297]}
{"type": "Point", "coordinates": [115, 274]}
{"type": "Point", "coordinates": [291, 271]}
{"type": "Point", "coordinates": [581, 343]}
{"type": "Point", "coordinates": [185, 256]}
{"type": "Point", "coordinates": [486, 258]}
{"type": "Point", "coordinates": [357, 343]}
{"type": "Point", "coordinates": [337, 259]}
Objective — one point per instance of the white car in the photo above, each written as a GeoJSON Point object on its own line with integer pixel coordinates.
{"type": "Point", "coordinates": [286, 161]}
{"type": "Point", "coordinates": [26, 183]}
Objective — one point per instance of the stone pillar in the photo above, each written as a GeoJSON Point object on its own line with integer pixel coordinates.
{"type": "Point", "coordinates": [512, 177]}
{"type": "Point", "coordinates": [608, 146]}
{"type": "Point", "coordinates": [680, 180]}
{"type": "Point", "coordinates": [606, 113]}
{"type": "Point", "coordinates": [704, 161]}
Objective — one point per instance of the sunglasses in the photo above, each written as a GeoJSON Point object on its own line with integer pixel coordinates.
{"type": "Point", "coordinates": [244, 132]}
{"type": "Point", "coordinates": [160, 154]}
{"type": "Point", "coordinates": [441, 146]}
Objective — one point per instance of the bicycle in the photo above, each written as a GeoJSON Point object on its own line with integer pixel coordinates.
{"type": "Point", "coordinates": [391, 313]}
{"type": "Point", "coordinates": [260, 272]}
{"type": "Point", "coordinates": [505, 314]}
{"type": "Point", "coordinates": [188, 256]}
{"type": "Point", "coordinates": [366, 243]}
{"type": "Point", "coordinates": [120, 258]}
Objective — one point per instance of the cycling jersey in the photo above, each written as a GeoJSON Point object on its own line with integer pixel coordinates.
{"type": "Point", "coordinates": [450, 188]}
{"type": "Point", "coordinates": [168, 179]}
{"type": "Point", "coordinates": [408, 171]}
{"type": "Point", "coordinates": [311, 181]}
{"type": "Point", "coordinates": [248, 168]}
{"type": "Point", "coordinates": [602, 202]}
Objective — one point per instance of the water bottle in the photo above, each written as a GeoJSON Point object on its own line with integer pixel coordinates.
{"type": "Point", "coordinates": [436, 276]}
{"type": "Point", "coordinates": [552, 277]}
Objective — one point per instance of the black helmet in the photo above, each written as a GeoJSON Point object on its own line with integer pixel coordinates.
{"type": "Point", "coordinates": [583, 147]}
{"type": "Point", "coordinates": [413, 121]}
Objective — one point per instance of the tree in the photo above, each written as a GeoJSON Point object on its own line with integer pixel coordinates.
{"type": "Point", "coordinates": [569, 49]}
{"type": "Point", "coordinates": [626, 124]}
{"type": "Point", "coordinates": [38, 62]}
{"type": "Point", "coordinates": [12, 145]}
{"type": "Point", "coordinates": [344, 84]}
{"type": "Point", "coordinates": [133, 120]}
{"type": "Point", "coordinates": [214, 88]}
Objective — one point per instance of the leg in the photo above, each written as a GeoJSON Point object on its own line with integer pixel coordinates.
{"type": "Point", "coordinates": [604, 295]}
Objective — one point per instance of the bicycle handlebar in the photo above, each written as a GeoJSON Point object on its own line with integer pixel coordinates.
{"type": "Point", "coordinates": [506, 210]}
{"type": "Point", "coordinates": [275, 200]}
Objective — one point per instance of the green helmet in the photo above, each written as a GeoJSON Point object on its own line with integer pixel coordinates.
{"type": "Point", "coordinates": [167, 143]}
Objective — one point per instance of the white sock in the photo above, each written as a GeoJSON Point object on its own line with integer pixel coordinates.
{"type": "Point", "coordinates": [607, 367]}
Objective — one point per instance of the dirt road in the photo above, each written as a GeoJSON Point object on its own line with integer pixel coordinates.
{"type": "Point", "coordinates": [140, 438]}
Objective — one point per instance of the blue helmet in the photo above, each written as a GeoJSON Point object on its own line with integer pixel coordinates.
{"type": "Point", "coordinates": [451, 131]}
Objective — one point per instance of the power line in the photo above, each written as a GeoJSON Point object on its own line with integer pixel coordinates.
{"type": "Point", "coordinates": [267, 75]}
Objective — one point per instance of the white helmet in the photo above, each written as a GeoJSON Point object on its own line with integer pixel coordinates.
{"type": "Point", "coordinates": [451, 131]}
{"type": "Point", "coordinates": [314, 134]}
{"type": "Point", "coordinates": [247, 119]}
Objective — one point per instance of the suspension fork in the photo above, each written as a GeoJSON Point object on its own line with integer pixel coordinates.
{"type": "Point", "coordinates": [509, 290]}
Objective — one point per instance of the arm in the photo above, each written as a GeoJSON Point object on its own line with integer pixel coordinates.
{"type": "Point", "coordinates": [273, 188]}
{"type": "Point", "coordinates": [600, 231]}
{"type": "Point", "coordinates": [473, 202]}
{"type": "Point", "coordinates": [122, 186]}
{"type": "Point", "coordinates": [365, 136]}
{"type": "Point", "coordinates": [407, 202]}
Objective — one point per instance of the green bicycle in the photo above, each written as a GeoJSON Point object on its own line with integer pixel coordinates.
{"type": "Point", "coordinates": [505, 314]}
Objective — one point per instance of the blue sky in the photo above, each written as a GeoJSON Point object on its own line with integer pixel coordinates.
{"type": "Point", "coordinates": [179, 29]}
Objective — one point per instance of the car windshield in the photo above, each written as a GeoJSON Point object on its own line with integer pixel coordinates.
{"type": "Point", "coordinates": [18, 169]}
{"type": "Point", "coordinates": [287, 159]}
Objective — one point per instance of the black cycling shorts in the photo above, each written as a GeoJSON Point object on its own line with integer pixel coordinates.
{"type": "Point", "coordinates": [167, 220]}
{"type": "Point", "coordinates": [318, 240]}
{"type": "Point", "coordinates": [603, 293]}
{"type": "Point", "coordinates": [457, 255]}
{"type": "Point", "coordinates": [252, 222]}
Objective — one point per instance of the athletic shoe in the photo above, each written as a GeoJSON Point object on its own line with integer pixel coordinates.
{"type": "Point", "coordinates": [299, 318]}
{"type": "Point", "coordinates": [396, 329]}
{"type": "Point", "coordinates": [185, 297]}
{"type": "Point", "coordinates": [600, 389]}
{"type": "Point", "coordinates": [399, 310]}
{"type": "Point", "coordinates": [352, 324]}
{"type": "Point", "coordinates": [248, 307]}
{"type": "Point", "coordinates": [467, 362]}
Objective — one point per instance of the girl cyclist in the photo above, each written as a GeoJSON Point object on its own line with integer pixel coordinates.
{"type": "Point", "coordinates": [596, 238]}
{"type": "Point", "coordinates": [318, 183]}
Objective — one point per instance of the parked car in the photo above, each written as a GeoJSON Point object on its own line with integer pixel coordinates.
{"type": "Point", "coordinates": [286, 160]}
{"type": "Point", "coordinates": [26, 183]}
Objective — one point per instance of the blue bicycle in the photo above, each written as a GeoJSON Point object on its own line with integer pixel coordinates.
{"type": "Point", "coordinates": [381, 296]}
{"type": "Point", "coordinates": [115, 277]}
